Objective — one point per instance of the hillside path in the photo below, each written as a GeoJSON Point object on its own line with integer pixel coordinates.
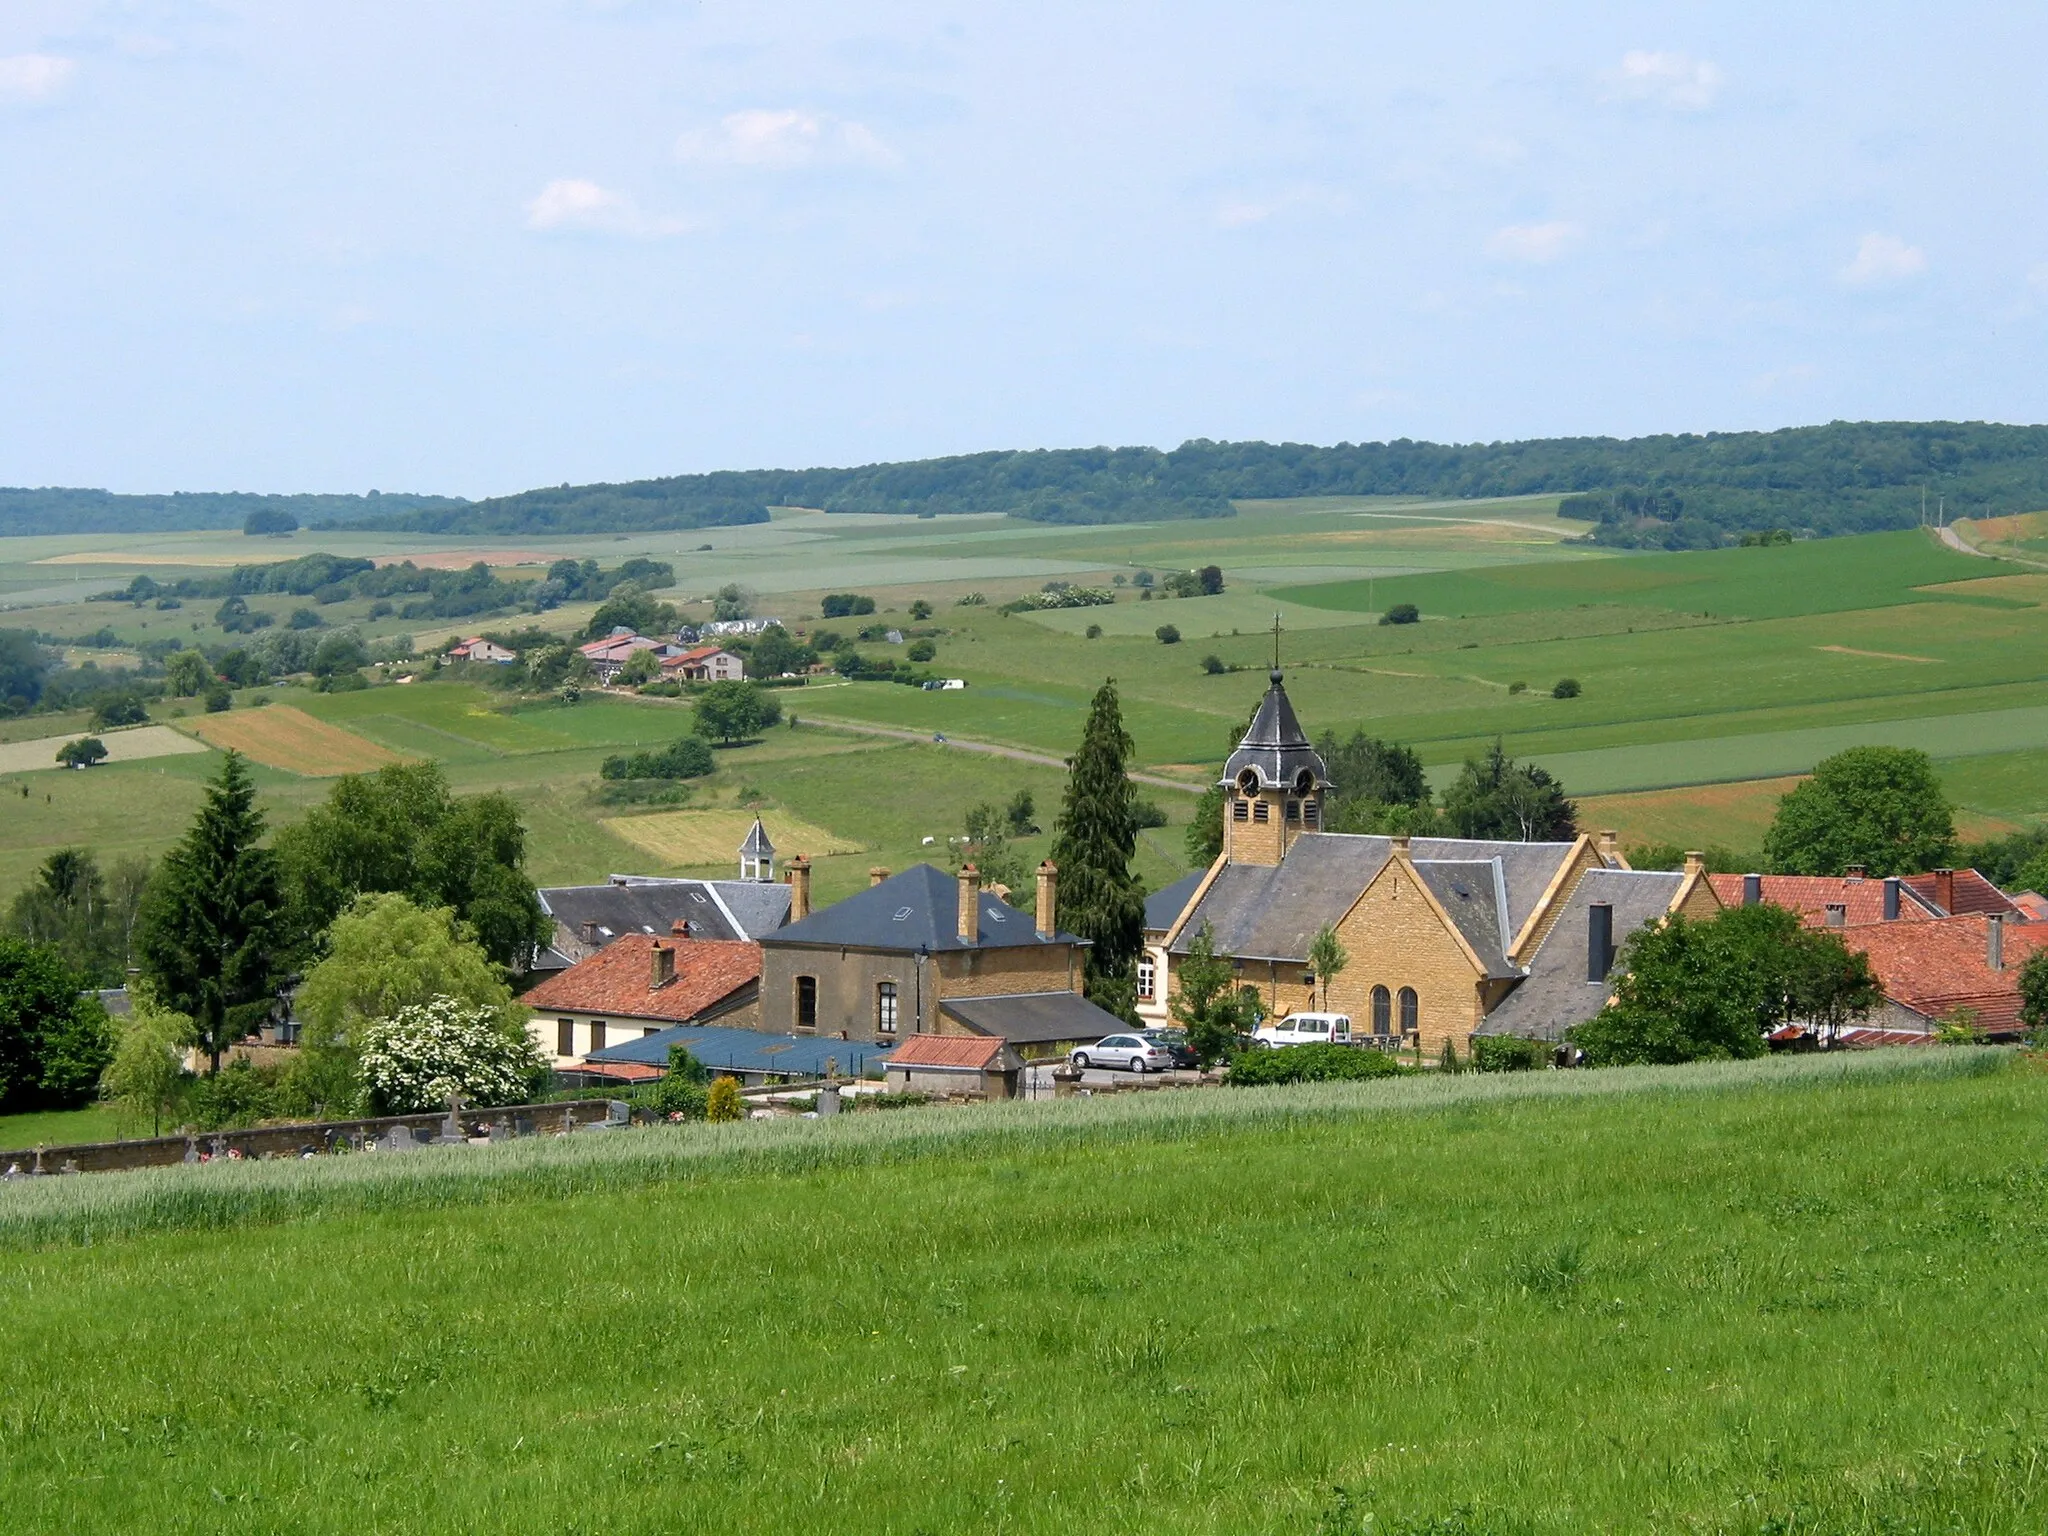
{"type": "Point", "coordinates": [1960, 545]}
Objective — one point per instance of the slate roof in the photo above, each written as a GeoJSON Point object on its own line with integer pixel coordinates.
{"type": "Point", "coordinates": [757, 844]}
{"type": "Point", "coordinates": [617, 981]}
{"type": "Point", "coordinates": [748, 1050]}
{"type": "Point", "coordinates": [1472, 892]}
{"type": "Point", "coordinates": [917, 909]}
{"type": "Point", "coordinates": [714, 909]}
{"type": "Point", "coordinates": [1810, 895]}
{"type": "Point", "coordinates": [962, 1053]}
{"type": "Point", "coordinates": [1275, 747]}
{"type": "Point", "coordinates": [1165, 904]}
{"type": "Point", "coordinates": [1259, 913]}
{"type": "Point", "coordinates": [1556, 995]}
{"type": "Point", "coordinates": [1938, 966]}
{"type": "Point", "coordinates": [1033, 1018]}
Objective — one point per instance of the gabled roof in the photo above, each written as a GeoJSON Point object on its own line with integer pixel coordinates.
{"type": "Point", "coordinates": [1167, 903]}
{"type": "Point", "coordinates": [1938, 966]}
{"type": "Point", "coordinates": [1276, 748]}
{"type": "Point", "coordinates": [1969, 891]}
{"type": "Point", "coordinates": [917, 909]}
{"type": "Point", "coordinates": [966, 1053]}
{"type": "Point", "coordinates": [617, 981]}
{"type": "Point", "coordinates": [1556, 995]}
{"type": "Point", "coordinates": [1811, 895]}
{"type": "Point", "coordinates": [1471, 892]}
{"type": "Point", "coordinates": [1261, 913]}
{"type": "Point", "coordinates": [1033, 1018]}
{"type": "Point", "coordinates": [714, 909]}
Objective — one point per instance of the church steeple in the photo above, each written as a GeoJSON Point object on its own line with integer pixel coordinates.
{"type": "Point", "coordinates": [1274, 782]}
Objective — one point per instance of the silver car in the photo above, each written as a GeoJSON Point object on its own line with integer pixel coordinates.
{"type": "Point", "coordinates": [1133, 1051]}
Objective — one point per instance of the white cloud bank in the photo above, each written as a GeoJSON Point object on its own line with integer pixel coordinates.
{"type": "Point", "coordinates": [29, 78]}
{"type": "Point", "coordinates": [1533, 243]}
{"type": "Point", "coordinates": [1677, 81]}
{"type": "Point", "coordinates": [784, 139]}
{"type": "Point", "coordinates": [1882, 260]}
{"type": "Point", "coordinates": [570, 205]}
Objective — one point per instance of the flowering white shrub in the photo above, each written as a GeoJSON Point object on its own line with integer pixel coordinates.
{"type": "Point", "coordinates": [415, 1059]}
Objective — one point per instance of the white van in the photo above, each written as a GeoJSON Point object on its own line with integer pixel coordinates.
{"type": "Point", "coordinates": [1305, 1029]}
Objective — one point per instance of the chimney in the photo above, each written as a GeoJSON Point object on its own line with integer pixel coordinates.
{"type": "Point", "coordinates": [587, 931]}
{"type": "Point", "coordinates": [1400, 842]}
{"type": "Point", "coordinates": [1695, 861]}
{"type": "Point", "coordinates": [680, 927]}
{"type": "Point", "coordinates": [1994, 942]}
{"type": "Point", "coordinates": [1945, 891]}
{"type": "Point", "coordinates": [1610, 848]}
{"type": "Point", "coordinates": [876, 875]}
{"type": "Point", "coordinates": [799, 888]}
{"type": "Point", "coordinates": [1891, 898]}
{"type": "Point", "coordinates": [970, 904]}
{"type": "Point", "coordinates": [1857, 872]}
{"type": "Point", "coordinates": [1048, 892]}
{"type": "Point", "coordinates": [1599, 940]}
{"type": "Point", "coordinates": [1752, 890]}
{"type": "Point", "coordinates": [664, 970]}
{"type": "Point", "coordinates": [1837, 914]}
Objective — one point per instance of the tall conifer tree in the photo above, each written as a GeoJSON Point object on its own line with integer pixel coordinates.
{"type": "Point", "coordinates": [1100, 899]}
{"type": "Point", "coordinates": [210, 921]}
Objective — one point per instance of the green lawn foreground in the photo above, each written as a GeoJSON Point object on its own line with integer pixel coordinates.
{"type": "Point", "coordinates": [1787, 1295]}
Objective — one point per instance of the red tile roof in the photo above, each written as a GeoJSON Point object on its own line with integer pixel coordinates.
{"type": "Point", "coordinates": [1943, 964]}
{"type": "Point", "coordinates": [1809, 896]}
{"type": "Point", "coordinates": [975, 1052]}
{"type": "Point", "coordinates": [1968, 892]}
{"type": "Point", "coordinates": [617, 981]}
{"type": "Point", "coordinates": [624, 1071]}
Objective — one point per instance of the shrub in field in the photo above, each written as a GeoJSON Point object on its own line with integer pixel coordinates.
{"type": "Point", "coordinates": [921, 650]}
{"type": "Point", "coordinates": [724, 1104]}
{"type": "Point", "coordinates": [1518, 687]}
{"type": "Point", "coordinates": [1167, 634]}
{"type": "Point", "coordinates": [1402, 613]}
{"type": "Point", "coordinates": [82, 753]}
{"type": "Point", "coordinates": [1094, 632]}
{"type": "Point", "coordinates": [1214, 665]}
{"type": "Point", "coordinates": [1507, 1053]}
{"type": "Point", "coordinates": [689, 758]}
{"type": "Point", "coordinates": [920, 610]}
{"type": "Point", "coordinates": [1565, 688]}
{"type": "Point", "coordinates": [1317, 1063]}
{"type": "Point", "coordinates": [845, 605]}
{"type": "Point", "coordinates": [733, 711]}
{"type": "Point", "coordinates": [121, 709]}
{"type": "Point", "coordinates": [421, 1055]}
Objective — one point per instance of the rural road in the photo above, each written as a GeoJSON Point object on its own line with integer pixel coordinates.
{"type": "Point", "coordinates": [1956, 542]}
{"type": "Point", "coordinates": [862, 729]}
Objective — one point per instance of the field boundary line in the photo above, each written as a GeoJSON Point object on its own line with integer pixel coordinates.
{"type": "Point", "coordinates": [994, 749]}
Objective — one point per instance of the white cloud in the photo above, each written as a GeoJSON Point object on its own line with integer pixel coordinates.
{"type": "Point", "coordinates": [571, 204]}
{"type": "Point", "coordinates": [1882, 260]}
{"type": "Point", "coordinates": [26, 78]}
{"type": "Point", "coordinates": [783, 140]}
{"type": "Point", "coordinates": [1533, 242]}
{"type": "Point", "coordinates": [1675, 80]}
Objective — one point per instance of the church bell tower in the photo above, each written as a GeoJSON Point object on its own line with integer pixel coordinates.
{"type": "Point", "coordinates": [1273, 785]}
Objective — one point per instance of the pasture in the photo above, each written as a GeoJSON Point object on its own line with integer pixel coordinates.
{"type": "Point", "coordinates": [283, 737]}
{"type": "Point", "coordinates": [1706, 1298]}
{"type": "Point", "coordinates": [705, 839]}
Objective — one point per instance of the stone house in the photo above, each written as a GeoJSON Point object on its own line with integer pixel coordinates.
{"type": "Point", "coordinates": [640, 984]}
{"type": "Point", "coordinates": [1439, 931]}
{"type": "Point", "coordinates": [977, 1065]}
{"type": "Point", "coordinates": [924, 952]}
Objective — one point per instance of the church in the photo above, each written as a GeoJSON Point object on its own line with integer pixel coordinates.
{"type": "Point", "coordinates": [1440, 933]}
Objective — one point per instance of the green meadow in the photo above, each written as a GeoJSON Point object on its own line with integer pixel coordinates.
{"type": "Point", "coordinates": [1782, 1296]}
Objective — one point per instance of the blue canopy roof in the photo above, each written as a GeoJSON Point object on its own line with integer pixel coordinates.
{"type": "Point", "coordinates": [748, 1050]}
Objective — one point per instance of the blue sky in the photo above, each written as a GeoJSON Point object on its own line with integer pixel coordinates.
{"type": "Point", "coordinates": [472, 248]}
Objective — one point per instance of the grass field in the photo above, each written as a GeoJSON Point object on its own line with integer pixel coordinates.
{"type": "Point", "coordinates": [293, 740]}
{"type": "Point", "coordinates": [704, 838]}
{"type": "Point", "coordinates": [1703, 1299]}
{"type": "Point", "coordinates": [129, 746]}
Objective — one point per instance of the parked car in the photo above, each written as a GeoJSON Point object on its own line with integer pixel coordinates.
{"type": "Point", "coordinates": [1304, 1029]}
{"type": "Point", "coordinates": [1176, 1041]}
{"type": "Point", "coordinates": [1135, 1051]}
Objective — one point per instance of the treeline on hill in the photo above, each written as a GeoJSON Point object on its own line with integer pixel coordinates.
{"type": "Point", "coordinates": [432, 594]}
{"type": "Point", "coordinates": [1674, 491]}
{"type": "Point", "coordinates": [54, 509]}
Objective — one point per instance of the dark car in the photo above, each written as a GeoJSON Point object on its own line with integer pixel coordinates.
{"type": "Point", "coordinates": [1175, 1042]}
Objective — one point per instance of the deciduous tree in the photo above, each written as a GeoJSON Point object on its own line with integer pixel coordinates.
{"type": "Point", "coordinates": [1207, 1003]}
{"type": "Point", "coordinates": [1881, 807]}
{"type": "Point", "coordinates": [1497, 797]}
{"type": "Point", "coordinates": [55, 1038]}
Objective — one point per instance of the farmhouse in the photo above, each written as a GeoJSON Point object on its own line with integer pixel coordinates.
{"type": "Point", "coordinates": [926, 952]}
{"type": "Point", "coordinates": [476, 648]}
{"type": "Point", "coordinates": [1440, 931]}
{"type": "Point", "coordinates": [608, 655]}
{"type": "Point", "coordinates": [639, 985]}
{"type": "Point", "coordinates": [704, 664]}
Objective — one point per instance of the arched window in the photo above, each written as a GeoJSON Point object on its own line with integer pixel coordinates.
{"type": "Point", "coordinates": [1382, 1011]}
{"type": "Point", "coordinates": [1410, 1011]}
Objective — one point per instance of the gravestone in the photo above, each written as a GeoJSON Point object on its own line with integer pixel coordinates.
{"type": "Point", "coordinates": [828, 1100]}
{"type": "Point", "coordinates": [499, 1130]}
{"type": "Point", "coordinates": [397, 1139]}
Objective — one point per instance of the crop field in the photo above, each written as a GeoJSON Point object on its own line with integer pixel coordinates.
{"type": "Point", "coordinates": [1712, 1299]}
{"type": "Point", "coordinates": [291, 739]}
{"type": "Point", "coordinates": [705, 838]}
{"type": "Point", "coordinates": [129, 746]}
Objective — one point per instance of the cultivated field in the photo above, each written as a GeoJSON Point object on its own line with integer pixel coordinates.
{"type": "Point", "coordinates": [1712, 1299]}
{"type": "Point", "coordinates": [130, 746]}
{"type": "Point", "coordinates": [291, 739]}
{"type": "Point", "coordinates": [706, 838]}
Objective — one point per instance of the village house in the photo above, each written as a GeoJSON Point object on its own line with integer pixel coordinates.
{"type": "Point", "coordinates": [1440, 932]}
{"type": "Point", "coordinates": [476, 648]}
{"type": "Point", "coordinates": [924, 952]}
{"type": "Point", "coordinates": [638, 985]}
{"type": "Point", "coordinates": [587, 918]}
{"type": "Point", "coordinates": [704, 664]}
{"type": "Point", "coordinates": [608, 655]}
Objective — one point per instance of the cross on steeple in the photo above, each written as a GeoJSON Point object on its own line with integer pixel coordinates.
{"type": "Point", "coordinates": [1276, 642]}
